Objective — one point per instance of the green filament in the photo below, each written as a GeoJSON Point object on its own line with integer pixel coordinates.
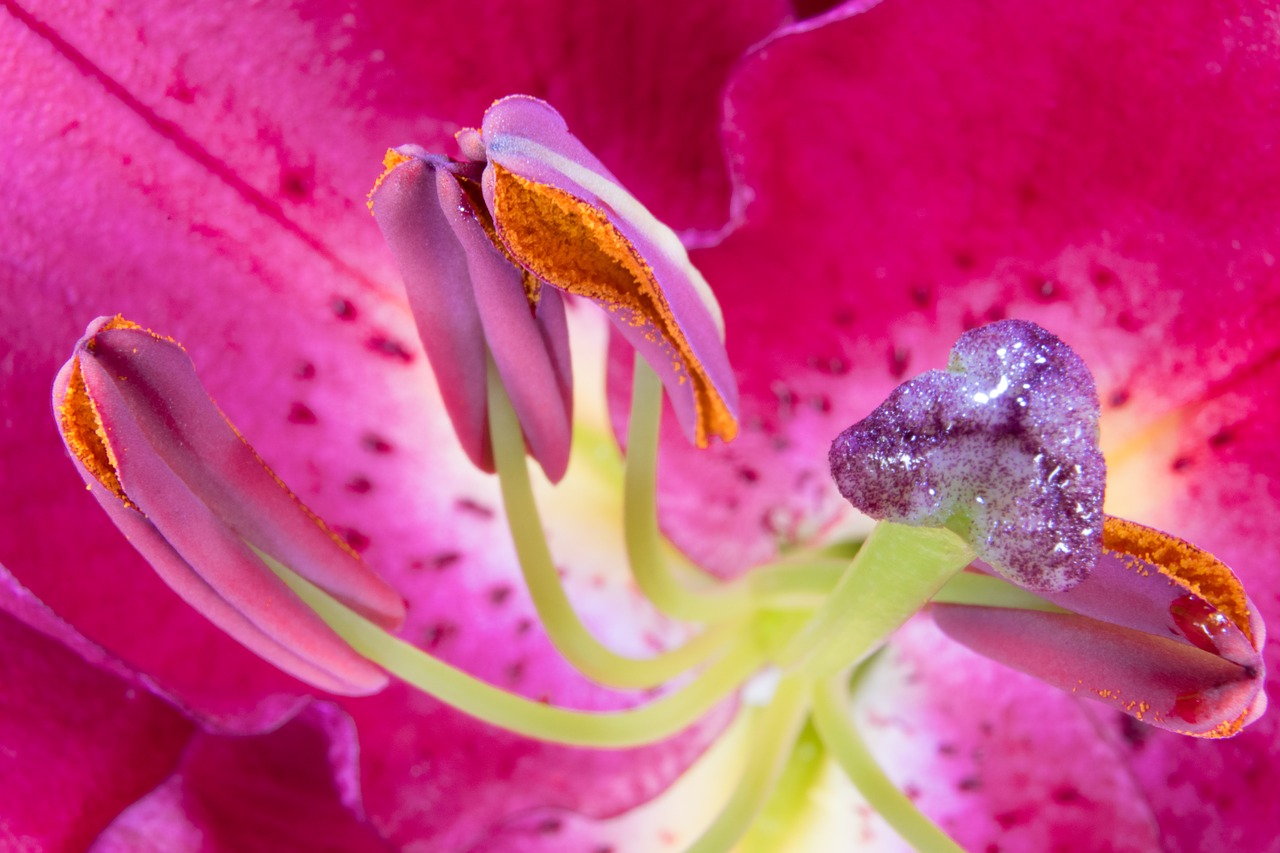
{"type": "Point", "coordinates": [562, 623]}
{"type": "Point", "coordinates": [986, 591]}
{"type": "Point", "coordinates": [773, 730]}
{"type": "Point", "coordinates": [646, 724]}
{"type": "Point", "coordinates": [832, 718]}
{"type": "Point", "coordinates": [790, 797]}
{"type": "Point", "coordinates": [643, 539]}
{"type": "Point", "coordinates": [895, 573]}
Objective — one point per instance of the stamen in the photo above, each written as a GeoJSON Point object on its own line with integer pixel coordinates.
{"type": "Point", "coordinates": [774, 730]}
{"type": "Point", "coordinates": [834, 721]}
{"type": "Point", "coordinates": [555, 611]}
{"type": "Point", "coordinates": [565, 241]}
{"type": "Point", "coordinates": [649, 565]}
{"type": "Point", "coordinates": [645, 724]}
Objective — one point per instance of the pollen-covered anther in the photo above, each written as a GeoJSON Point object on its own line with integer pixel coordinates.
{"type": "Point", "coordinates": [565, 241]}
{"type": "Point", "coordinates": [200, 505]}
{"type": "Point", "coordinates": [1160, 629]}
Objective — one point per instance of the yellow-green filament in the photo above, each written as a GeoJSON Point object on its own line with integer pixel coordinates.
{"type": "Point", "coordinates": [986, 591]}
{"type": "Point", "coordinates": [773, 731]}
{"type": "Point", "coordinates": [645, 724]}
{"type": "Point", "coordinates": [644, 541]}
{"type": "Point", "coordinates": [561, 622]}
{"type": "Point", "coordinates": [834, 722]}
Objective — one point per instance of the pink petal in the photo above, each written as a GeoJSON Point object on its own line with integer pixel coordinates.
{"type": "Point", "coordinates": [1051, 165]}
{"type": "Point", "coordinates": [78, 741]}
{"type": "Point", "coordinates": [217, 192]}
{"type": "Point", "coordinates": [296, 788]}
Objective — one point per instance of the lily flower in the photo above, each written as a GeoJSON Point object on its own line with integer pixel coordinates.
{"type": "Point", "coordinates": [529, 205]}
{"type": "Point", "coordinates": [911, 171]}
{"type": "Point", "coordinates": [195, 499]}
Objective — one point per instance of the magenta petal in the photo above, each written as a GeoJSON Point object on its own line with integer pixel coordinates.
{"type": "Point", "coordinates": [190, 493]}
{"type": "Point", "coordinates": [295, 788]}
{"type": "Point", "coordinates": [78, 742]}
{"type": "Point", "coordinates": [530, 139]}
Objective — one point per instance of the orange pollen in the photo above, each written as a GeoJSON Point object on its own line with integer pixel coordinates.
{"type": "Point", "coordinates": [1192, 568]}
{"type": "Point", "coordinates": [390, 160]}
{"type": "Point", "coordinates": [565, 241]}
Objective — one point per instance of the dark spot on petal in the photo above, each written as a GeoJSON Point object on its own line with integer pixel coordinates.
{"type": "Point", "coordinates": [523, 626]}
{"type": "Point", "coordinates": [948, 749]}
{"type": "Point", "coordinates": [357, 540]}
{"type": "Point", "coordinates": [922, 295]}
{"type": "Point", "coordinates": [1066, 795]}
{"type": "Point", "coordinates": [843, 317]}
{"type": "Point", "coordinates": [180, 89]}
{"type": "Point", "coordinates": [1221, 438]}
{"type": "Point", "coordinates": [834, 366]}
{"type": "Point", "coordinates": [1045, 289]}
{"type": "Point", "coordinates": [1119, 397]}
{"type": "Point", "coordinates": [1129, 323]}
{"type": "Point", "coordinates": [1015, 817]}
{"type": "Point", "coordinates": [549, 826]}
{"type": "Point", "coordinates": [821, 403]}
{"type": "Point", "coordinates": [299, 413]}
{"type": "Point", "coordinates": [439, 634]}
{"type": "Point", "coordinates": [785, 396]}
{"type": "Point", "coordinates": [1102, 276]}
{"type": "Point", "coordinates": [748, 475]}
{"type": "Point", "coordinates": [389, 347]}
{"type": "Point", "coordinates": [375, 443]}
{"type": "Point", "coordinates": [499, 595]}
{"type": "Point", "coordinates": [1028, 193]}
{"type": "Point", "coordinates": [514, 671]}
{"type": "Point", "coordinates": [965, 259]}
{"type": "Point", "coordinates": [899, 358]}
{"type": "Point", "coordinates": [304, 370]}
{"type": "Point", "coordinates": [297, 183]}
{"type": "Point", "coordinates": [359, 484]}
{"type": "Point", "coordinates": [805, 9]}
{"type": "Point", "coordinates": [437, 562]}
{"type": "Point", "coordinates": [343, 308]}
{"type": "Point", "coordinates": [969, 783]}
{"type": "Point", "coordinates": [604, 848]}
{"type": "Point", "coordinates": [1181, 463]}
{"type": "Point", "coordinates": [473, 507]}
